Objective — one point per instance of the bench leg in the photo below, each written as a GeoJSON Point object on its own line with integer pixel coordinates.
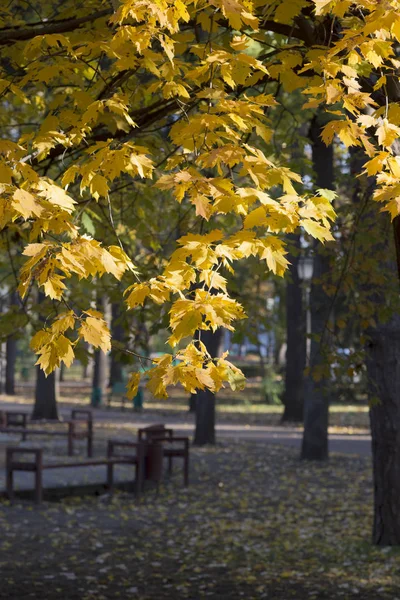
{"type": "Point", "coordinates": [140, 470]}
{"type": "Point", "coordinates": [186, 469]}
{"type": "Point", "coordinates": [71, 432]}
{"type": "Point", "coordinates": [110, 476]}
{"type": "Point", "coordinates": [39, 479]}
{"type": "Point", "coordinates": [38, 486]}
{"type": "Point", "coordinates": [170, 465]}
{"type": "Point", "coordinates": [9, 483]}
{"type": "Point", "coordinates": [89, 439]}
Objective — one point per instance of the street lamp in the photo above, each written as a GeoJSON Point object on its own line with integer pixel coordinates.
{"type": "Point", "coordinates": [305, 268]}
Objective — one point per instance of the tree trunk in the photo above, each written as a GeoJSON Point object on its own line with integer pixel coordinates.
{"type": "Point", "coordinates": [205, 418]}
{"type": "Point", "coordinates": [45, 396]}
{"type": "Point", "coordinates": [62, 373]}
{"type": "Point", "coordinates": [100, 363]}
{"type": "Point", "coordinates": [99, 382]}
{"type": "Point", "coordinates": [46, 389]}
{"type": "Point", "coordinates": [382, 359]}
{"type": "Point", "coordinates": [117, 333]}
{"type": "Point", "coordinates": [11, 357]}
{"type": "Point", "coordinates": [383, 368]}
{"type": "Point", "coordinates": [205, 399]}
{"type": "Point", "coordinates": [296, 342]}
{"type": "Point", "coordinates": [192, 403]}
{"type": "Point", "coordinates": [316, 399]}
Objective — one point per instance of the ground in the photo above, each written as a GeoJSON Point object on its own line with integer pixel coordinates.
{"type": "Point", "coordinates": [255, 523]}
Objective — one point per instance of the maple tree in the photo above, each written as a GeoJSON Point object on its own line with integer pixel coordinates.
{"type": "Point", "coordinates": [178, 95]}
{"type": "Point", "coordinates": [83, 88]}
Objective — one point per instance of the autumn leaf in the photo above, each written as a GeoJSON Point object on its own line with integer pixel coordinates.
{"type": "Point", "coordinates": [94, 331]}
{"type": "Point", "coordinates": [26, 204]}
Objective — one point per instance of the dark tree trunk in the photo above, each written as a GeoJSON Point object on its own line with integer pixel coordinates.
{"type": "Point", "coordinates": [11, 357]}
{"type": "Point", "coordinates": [316, 399]}
{"type": "Point", "coordinates": [382, 357]}
{"type": "Point", "coordinates": [205, 418]}
{"type": "Point", "coordinates": [192, 403]}
{"type": "Point", "coordinates": [45, 396]}
{"type": "Point", "coordinates": [205, 400]}
{"type": "Point", "coordinates": [117, 333]}
{"type": "Point", "coordinates": [99, 378]}
{"type": "Point", "coordinates": [46, 389]}
{"type": "Point", "coordinates": [383, 368]}
{"type": "Point", "coordinates": [62, 372]}
{"type": "Point", "coordinates": [100, 365]}
{"type": "Point", "coordinates": [296, 342]}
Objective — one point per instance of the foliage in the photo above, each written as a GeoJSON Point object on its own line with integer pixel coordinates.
{"type": "Point", "coordinates": [178, 95]}
{"type": "Point", "coordinates": [272, 386]}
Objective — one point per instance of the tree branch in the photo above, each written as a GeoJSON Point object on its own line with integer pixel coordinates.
{"type": "Point", "coordinates": [17, 34]}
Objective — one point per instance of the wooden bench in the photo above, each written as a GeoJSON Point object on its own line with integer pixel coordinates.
{"type": "Point", "coordinates": [36, 465]}
{"type": "Point", "coordinates": [172, 446]}
{"type": "Point", "coordinates": [17, 422]}
{"type": "Point", "coordinates": [152, 456]}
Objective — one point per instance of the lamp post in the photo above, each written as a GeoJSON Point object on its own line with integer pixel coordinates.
{"type": "Point", "coordinates": [305, 268]}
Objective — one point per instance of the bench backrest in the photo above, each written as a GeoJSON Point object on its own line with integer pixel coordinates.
{"type": "Point", "coordinates": [152, 431]}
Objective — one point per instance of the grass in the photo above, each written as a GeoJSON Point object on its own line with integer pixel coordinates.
{"type": "Point", "coordinates": [235, 407]}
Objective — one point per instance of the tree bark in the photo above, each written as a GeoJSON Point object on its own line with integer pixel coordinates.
{"type": "Point", "coordinates": [61, 377]}
{"type": "Point", "coordinates": [382, 358]}
{"type": "Point", "coordinates": [117, 333]}
{"type": "Point", "coordinates": [46, 389]}
{"type": "Point", "coordinates": [296, 342]}
{"type": "Point", "coordinates": [383, 368]}
{"type": "Point", "coordinates": [192, 403]}
{"type": "Point", "coordinates": [11, 355]}
{"type": "Point", "coordinates": [316, 399]}
{"type": "Point", "coordinates": [45, 396]}
{"type": "Point", "coordinates": [100, 363]}
{"type": "Point", "coordinates": [205, 399]}
{"type": "Point", "coordinates": [99, 382]}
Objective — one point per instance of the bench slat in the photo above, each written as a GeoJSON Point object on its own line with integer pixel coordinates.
{"type": "Point", "coordinates": [92, 463]}
{"type": "Point", "coordinates": [35, 431]}
{"type": "Point", "coordinates": [23, 466]}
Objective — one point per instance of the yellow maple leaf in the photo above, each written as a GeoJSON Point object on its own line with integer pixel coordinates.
{"type": "Point", "coordinates": [63, 322]}
{"type": "Point", "coordinates": [26, 204]}
{"type": "Point", "coordinates": [54, 286]}
{"type": "Point", "coordinates": [99, 186]}
{"type": "Point", "coordinates": [317, 230]}
{"type": "Point", "coordinates": [55, 195]}
{"type": "Point", "coordinates": [138, 294]}
{"type": "Point", "coordinates": [94, 331]}
{"type": "Point", "coordinates": [133, 385]}
{"type": "Point", "coordinates": [387, 133]}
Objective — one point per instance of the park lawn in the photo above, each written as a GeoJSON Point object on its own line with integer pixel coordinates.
{"type": "Point", "coordinates": [238, 408]}
{"type": "Point", "coordinates": [255, 523]}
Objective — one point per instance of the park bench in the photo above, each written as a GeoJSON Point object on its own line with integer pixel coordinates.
{"type": "Point", "coordinates": [36, 465]}
{"type": "Point", "coordinates": [173, 446]}
{"type": "Point", "coordinates": [17, 422]}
